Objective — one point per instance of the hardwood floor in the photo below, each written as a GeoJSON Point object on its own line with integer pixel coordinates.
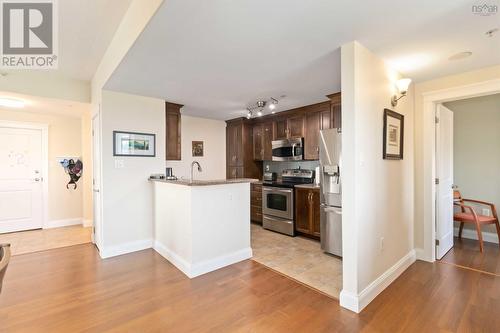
{"type": "Point", "coordinates": [465, 253]}
{"type": "Point", "coordinates": [72, 290]}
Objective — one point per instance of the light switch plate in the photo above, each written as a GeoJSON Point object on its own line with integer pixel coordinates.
{"type": "Point", "coordinates": [119, 164]}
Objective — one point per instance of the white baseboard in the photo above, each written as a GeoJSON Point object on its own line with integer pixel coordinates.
{"type": "Point", "coordinates": [472, 234]}
{"type": "Point", "coordinates": [420, 255]}
{"type": "Point", "coordinates": [357, 303]}
{"type": "Point", "coordinates": [88, 223]}
{"type": "Point", "coordinates": [63, 223]}
{"type": "Point", "coordinates": [197, 269]}
{"type": "Point", "coordinates": [117, 250]}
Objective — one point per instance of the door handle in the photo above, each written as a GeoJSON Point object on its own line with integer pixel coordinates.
{"type": "Point", "coordinates": [95, 190]}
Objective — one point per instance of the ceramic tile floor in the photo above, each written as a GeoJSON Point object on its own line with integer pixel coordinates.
{"type": "Point", "coordinates": [45, 239]}
{"type": "Point", "coordinates": [298, 257]}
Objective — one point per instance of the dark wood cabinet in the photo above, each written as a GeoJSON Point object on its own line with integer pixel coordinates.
{"type": "Point", "coordinates": [317, 118]}
{"type": "Point", "coordinates": [307, 211]}
{"type": "Point", "coordinates": [262, 141]}
{"type": "Point", "coordinates": [336, 110]}
{"type": "Point", "coordinates": [268, 140]}
{"type": "Point", "coordinates": [249, 141]}
{"type": "Point", "coordinates": [256, 203]}
{"type": "Point", "coordinates": [288, 127]}
{"type": "Point", "coordinates": [258, 142]}
{"type": "Point", "coordinates": [280, 128]}
{"type": "Point", "coordinates": [239, 150]}
{"type": "Point", "coordinates": [296, 126]}
{"type": "Point", "coordinates": [173, 131]}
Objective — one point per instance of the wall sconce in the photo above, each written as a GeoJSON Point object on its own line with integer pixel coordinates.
{"type": "Point", "coordinates": [402, 86]}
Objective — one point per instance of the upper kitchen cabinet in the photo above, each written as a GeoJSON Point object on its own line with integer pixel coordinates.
{"type": "Point", "coordinates": [262, 141]}
{"type": "Point", "coordinates": [173, 131]}
{"type": "Point", "coordinates": [318, 117]}
{"type": "Point", "coordinates": [336, 109]}
{"type": "Point", "coordinates": [240, 151]}
{"type": "Point", "coordinates": [289, 126]}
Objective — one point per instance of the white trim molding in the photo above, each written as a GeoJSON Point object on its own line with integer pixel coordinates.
{"type": "Point", "coordinates": [357, 303]}
{"type": "Point", "coordinates": [430, 100]}
{"type": "Point", "coordinates": [192, 270]}
{"type": "Point", "coordinates": [117, 250]}
{"type": "Point", "coordinates": [63, 223]}
{"type": "Point", "coordinates": [490, 237]}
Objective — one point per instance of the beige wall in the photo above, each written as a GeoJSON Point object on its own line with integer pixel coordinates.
{"type": "Point", "coordinates": [65, 139]}
{"type": "Point", "coordinates": [127, 195]}
{"type": "Point", "coordinates": [213, 134]}
{"type": "Point", "coordinates": [377, 200]}
{"type": "Point", "coordinates": [467, 78]}
{"type": "Point", "coordinates": [477, 149]}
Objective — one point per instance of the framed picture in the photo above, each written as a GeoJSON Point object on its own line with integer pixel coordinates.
{"type": "Point", "coordinates": [197, 148]}
{"type": "Point", "coordinates": [394, 126]}
{"type": "Point", "coordinates": [134, 144]}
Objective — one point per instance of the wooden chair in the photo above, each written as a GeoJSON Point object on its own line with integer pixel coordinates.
{"type": "Point", "coordinates": [468, 215]}
{"type": "Point", "coordinates": [4, 261]}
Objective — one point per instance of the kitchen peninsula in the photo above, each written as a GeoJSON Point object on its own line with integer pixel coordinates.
{"type": "Point", "coordinates": [201, 226]}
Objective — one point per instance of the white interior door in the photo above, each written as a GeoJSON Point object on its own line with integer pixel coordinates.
{"type": "Point", "coordinates": [21, 191]}
{"type": "Point", "coordinates": [96, 179]}
{"type": "Point", "coordinates": [444, 186]}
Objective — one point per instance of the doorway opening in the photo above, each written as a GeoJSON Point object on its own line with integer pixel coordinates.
{"type": "Point", "coordinates": [44, 191]}
{"type": "Point", "coordinates": [468, 183]}
{"type": "Point", "coordinates": [294, 219]}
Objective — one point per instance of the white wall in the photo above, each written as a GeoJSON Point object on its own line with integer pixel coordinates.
{"type": "Point", "coordinates": [476, 149]}
{"type": "Point", "coordinates": [378, 194]}
{"type": "Point", "coordinates": [213, 134]}
{"type": "Point", "coordinates": [127, 195]}
{"type": "Point", "coordinates": [65, 139]}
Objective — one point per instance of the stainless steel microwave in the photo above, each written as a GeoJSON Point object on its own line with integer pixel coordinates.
{"type": "Point", "coordinates": [288, 150]}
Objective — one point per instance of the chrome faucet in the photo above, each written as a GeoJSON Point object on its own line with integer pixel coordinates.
{"type": "Point", "coordinates": [192, 166]}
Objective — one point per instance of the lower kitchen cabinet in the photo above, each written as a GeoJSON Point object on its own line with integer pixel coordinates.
{"type": "Point", "coordinates": [256, 203]}
{"type": "Point", "coordinates": [307, 211]}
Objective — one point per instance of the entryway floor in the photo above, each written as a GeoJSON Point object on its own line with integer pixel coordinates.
{"type": "Point", "coordinates": [45, 239]}
{"type": "Point", "coordinates": [299, 258]}
{"type": "Point", "coordinates": [465, 253]}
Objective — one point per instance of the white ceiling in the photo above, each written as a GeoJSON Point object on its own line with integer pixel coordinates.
{"type": "Point", "coordinates": [42, 105]}
{"type": "Point", "coordinates": [217, 57]}
{"type": "Point", "coordinates": [86, 27]}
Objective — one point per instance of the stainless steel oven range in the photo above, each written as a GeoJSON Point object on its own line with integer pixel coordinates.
{"type": "Point", "coordinates": [278, 201]}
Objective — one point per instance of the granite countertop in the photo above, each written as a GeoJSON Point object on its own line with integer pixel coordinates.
{"type": "Point", "coordinates": [310, 186]}
{"type": "Point", "coordinates": [195, 182]}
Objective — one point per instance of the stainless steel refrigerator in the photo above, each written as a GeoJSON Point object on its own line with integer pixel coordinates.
{"type": "Point", "coordinates": [330, 159]}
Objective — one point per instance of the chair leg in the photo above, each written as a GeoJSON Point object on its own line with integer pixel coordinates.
{"type": "Point", "coordinates": [460, 230]}
{"type": "Point", "coordinates": [498, 231]}
{"type": "Point", "coordinates": [479, 237]}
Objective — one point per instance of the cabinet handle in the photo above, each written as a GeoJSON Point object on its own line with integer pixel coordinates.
{"type": "Point", "coordinates": [317, 149]}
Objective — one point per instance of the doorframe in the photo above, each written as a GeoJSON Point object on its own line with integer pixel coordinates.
{"type": "Point", "coordinates": [44, 128]}
{"type": "Point", "coordinates": [98, 223]}
{"type": "Point", "coordinates": [430, 100]}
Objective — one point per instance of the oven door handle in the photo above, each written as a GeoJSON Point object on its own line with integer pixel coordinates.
{"type": "Point", "coordinates": [275, 190]}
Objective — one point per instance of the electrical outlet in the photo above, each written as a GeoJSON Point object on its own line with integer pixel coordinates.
{"type": "Point", "coordinates": [486, 212]}
{"type": "Point", "coordinates": [382, 245]}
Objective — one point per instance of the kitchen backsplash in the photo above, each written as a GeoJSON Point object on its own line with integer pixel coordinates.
{"type": "Point", "coordinates": [277, 167]}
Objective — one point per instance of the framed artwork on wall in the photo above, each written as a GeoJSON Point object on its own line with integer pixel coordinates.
{"type": "Point", "coordinates": [393, 135]}
{"type": "Point", "coordinates": [134, 144]}
{"type": "Point", "coordinates": [197, 148]}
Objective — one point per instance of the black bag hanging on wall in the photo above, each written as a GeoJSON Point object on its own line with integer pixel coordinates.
{"type": "Point", "coordinates": [75, 170]}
